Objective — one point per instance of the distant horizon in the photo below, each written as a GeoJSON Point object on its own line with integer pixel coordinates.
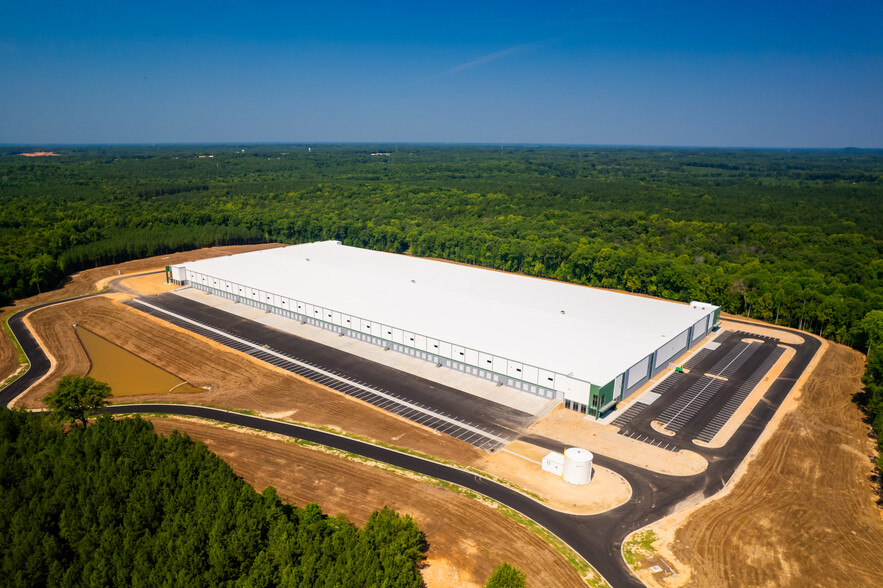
{"type": "Point", "coordinates": [429, 144]}
{"type": "Point", "coordinates": [753, 75]}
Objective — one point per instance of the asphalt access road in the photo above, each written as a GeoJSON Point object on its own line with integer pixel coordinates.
{"type": "Point", "coordinates": [597, 538]}
{"type": "Point", "coordinates": [654, 495]}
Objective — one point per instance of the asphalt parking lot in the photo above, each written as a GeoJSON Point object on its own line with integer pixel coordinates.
{"type": "Point", "coordinates": [697, 404]}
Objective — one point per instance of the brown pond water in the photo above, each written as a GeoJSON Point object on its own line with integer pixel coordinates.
{"type": "Point", "coordinates": [126, 373]}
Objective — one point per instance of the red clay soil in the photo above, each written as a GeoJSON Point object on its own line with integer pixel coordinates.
{"type": "Point", "coordinates": [237, 380]}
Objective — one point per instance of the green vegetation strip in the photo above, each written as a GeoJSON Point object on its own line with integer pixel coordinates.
{"type": "Point", "coordinates": [639, 546]}
{"type": "Point", "coordinates": [22, 359]}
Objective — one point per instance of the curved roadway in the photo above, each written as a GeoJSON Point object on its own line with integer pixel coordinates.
{"type": "Point", "coordinates": [597, 538]}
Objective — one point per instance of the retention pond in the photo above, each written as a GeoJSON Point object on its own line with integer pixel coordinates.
{"type": "Point", "coordinates": [127, 373]}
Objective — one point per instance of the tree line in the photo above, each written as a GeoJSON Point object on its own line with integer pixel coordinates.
{"type": "Point", "coordinates": [115, 504]}
{"type": "Point", "coordinates": [790, 238]}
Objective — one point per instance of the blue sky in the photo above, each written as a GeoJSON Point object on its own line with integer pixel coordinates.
{"type": "Point", "coordinates": [765, 74]}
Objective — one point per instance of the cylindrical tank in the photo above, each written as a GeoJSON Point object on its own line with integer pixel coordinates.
{"type": "Point", "coordinates": [577, 466]}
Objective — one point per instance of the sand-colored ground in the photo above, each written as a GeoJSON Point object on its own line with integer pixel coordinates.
{"type": "Point", "coordinates": [89, 280]}
{"type": "Point", "coordinates": [804, 511]}
{"type": "Point", "coordinates": [147, 284]}
{"type": "Point", "coordinates": [467, 539]}
{"type": "Point", "coordinates": [521, 463]}
{"type": "Point", "coordinates": [579, 430]}
{"type": "Point", "coordinates": [659, 427]}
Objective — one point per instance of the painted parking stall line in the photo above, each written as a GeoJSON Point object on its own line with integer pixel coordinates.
{"type": "Point", "coordinates": [447, 424]}
{"type": "Point", "coordinates": [704, 389]}
{"type": "Point", "coordinates": [736, 400]}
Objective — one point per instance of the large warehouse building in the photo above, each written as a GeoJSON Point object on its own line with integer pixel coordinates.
{"type": "Point", "coordinates": [586, 346]}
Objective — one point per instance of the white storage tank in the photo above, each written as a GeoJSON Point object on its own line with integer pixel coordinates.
{"type": "Point", "coordinates": [577, 466]}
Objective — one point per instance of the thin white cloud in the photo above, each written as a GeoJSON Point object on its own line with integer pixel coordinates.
{"type": "Point", "coordinates": [485, 59]}
{"type": "Point", "coordinates": [493, 57]}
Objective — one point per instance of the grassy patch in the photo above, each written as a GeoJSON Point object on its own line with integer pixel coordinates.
{"type": "Point", "coordinates": [23, 363]}
{"type": "Point", "coordinates": [639, 546]}
{"type": "Point", "coordinates": [22, 358]}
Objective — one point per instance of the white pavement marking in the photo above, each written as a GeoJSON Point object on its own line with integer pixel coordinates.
{"type": "Point", "coordinates": [704, 387]}
{"type": "Point", "coordinates": [315, 368]}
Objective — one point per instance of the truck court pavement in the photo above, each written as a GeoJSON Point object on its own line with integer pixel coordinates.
{"type": "Point", "coordinates": [697, 404]}
{"type": "Point", "coordinates": [483, 423]}
{"type": "Point", "coordinates": [597, 538]}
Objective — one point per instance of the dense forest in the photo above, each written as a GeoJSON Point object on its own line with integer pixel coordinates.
{"type": "Point", "coordinates": [789, 237]}
{"type": "Point", "coordinates": [115, 504]}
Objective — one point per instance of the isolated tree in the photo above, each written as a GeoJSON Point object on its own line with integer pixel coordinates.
{"type": "Point", "coordinates": [76, 399]}
{"type": "Point", "coordinates": [506, 576]}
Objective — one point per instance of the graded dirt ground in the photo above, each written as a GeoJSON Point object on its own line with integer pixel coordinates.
{"type": "Point", "coordinates": [88, 280]}
{"type": "Point", "coordinates": [521, 463]}
{"type": "Point", "coordinates": [238, 381]}
{"type": "Point", "coordinates": [804, 513]}
{"type": "Point", "coordinates": [467, 539]}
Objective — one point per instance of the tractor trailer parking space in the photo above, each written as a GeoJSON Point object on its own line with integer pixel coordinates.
{"type": "Point", "coordinates": [697, 403]}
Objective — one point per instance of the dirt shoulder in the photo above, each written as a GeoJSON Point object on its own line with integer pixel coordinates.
{"type": "Point", "coordinates": [88, 280]}
{"type": "Point", "coordinates": [521, 464]}
{"type": "Point", "coordinates": [804, 511]}
{"type": "Point", "coordinates": [790, 336]}
{"type": "Point", "coordinates": [467, 538]}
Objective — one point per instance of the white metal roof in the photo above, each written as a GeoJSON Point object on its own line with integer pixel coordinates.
{"type": "Point", "coordinates": [599, 335]}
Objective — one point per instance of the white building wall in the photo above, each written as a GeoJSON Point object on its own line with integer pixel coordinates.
{"type": "Point", "coordinates": [637, 372]}
{"type": "Point", "coordinates": [700, 328]}
{"type": "Point", "coordinates": [571, 389]}
{"type": "Point", "coordinates": [574, 390]}
{"type": "Point", "coordinates": [668, 350]}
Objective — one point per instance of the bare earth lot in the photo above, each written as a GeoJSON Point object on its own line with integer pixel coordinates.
{"type": "Point", "coordinates": [804, 513]}
{"type": "Point", "coordinates": [467, 539]}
